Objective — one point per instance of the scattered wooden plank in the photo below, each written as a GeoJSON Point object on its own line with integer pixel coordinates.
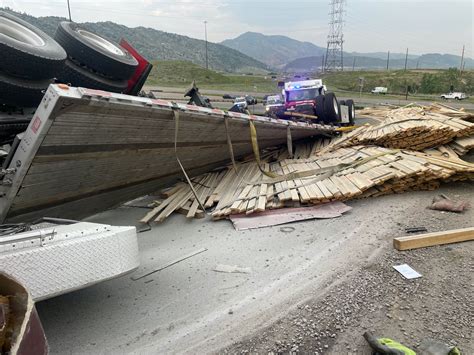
{"type": "Point", "coordinates": [430, 239]}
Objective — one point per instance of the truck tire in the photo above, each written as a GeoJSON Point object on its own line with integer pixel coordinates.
{"type": "Point", "coordinates": [331, 108]}
{"type": "Point", "coordinates": [78, 76]}
{"type": "Point", "coordinates": [351, 109]}
{"type": "Point", "coordinates": [21, 92]}
{"type": "Point", "coordinates": [319, 107]}
{"type": "Point", "coordinates": [95, 52]}
{"type": "Point", "coordinates": [26, 51]}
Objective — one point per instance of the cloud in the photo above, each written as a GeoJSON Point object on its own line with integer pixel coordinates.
{"type": "Point", "coordinates": [369, 25]}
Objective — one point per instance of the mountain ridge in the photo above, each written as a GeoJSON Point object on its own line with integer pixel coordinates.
{"type": "Point", "coordinates": [290, 52]}
{"type": "Point", "coordinates": [273, 50]}
{"type": "Point", "coordinates": [170, 46]}
{"type": "Point", "coordinates": [425, 61]}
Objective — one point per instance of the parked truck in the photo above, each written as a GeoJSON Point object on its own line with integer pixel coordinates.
{"type": "Point", "coordinates": [381, 90]}
{"type": "Point", "coordinates": [311, 99]}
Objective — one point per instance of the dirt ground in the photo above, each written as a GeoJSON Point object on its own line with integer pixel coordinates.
{"type": "Point", "coordinates": [374, 297]}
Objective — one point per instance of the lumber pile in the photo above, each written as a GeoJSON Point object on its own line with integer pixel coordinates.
{"type": "Point", "coordinates": [347, 173]}
{"type": "Point", "coordinates": [450, 111]}
{"type": "Point", "coordinates": [414, 128]}
{"type": "Point", "coordinates": [380, 112]}
{"type": "Point", "coordinates": [412, 148]}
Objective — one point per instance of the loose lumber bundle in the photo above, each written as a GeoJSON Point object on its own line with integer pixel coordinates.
{"type": "Point", "coordinates": [412, 148]}
{"type": "Point", "coordinates": [380, 112]}
{"type": "Point", "coordinates": [340, 175]}
{"type": "Point", "coordinates": [450, 111]}
{"type": "Point", "coordinates": [462, 145]}
{"type": "Point", "coordinates": [414, 128]}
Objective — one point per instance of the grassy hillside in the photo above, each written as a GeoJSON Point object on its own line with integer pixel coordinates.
{"type": "Point", "coordinates": [159, 45]}
{"type": "Point", "coordinates": [421, 81]}
{"type": "Point", "coordinates": [182, 73]}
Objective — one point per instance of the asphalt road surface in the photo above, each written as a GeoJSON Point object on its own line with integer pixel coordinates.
{"type": "Point", "coordinates": [189, 308]}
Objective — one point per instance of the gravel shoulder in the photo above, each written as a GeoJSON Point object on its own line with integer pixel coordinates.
{"type": "Point", "coordinates": [374, 297]}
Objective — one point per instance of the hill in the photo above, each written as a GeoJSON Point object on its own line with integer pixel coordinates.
{"type": "Point", "coordinates": [272, 50]}
{"type": "Point", "coordinates": [425, 61]}
{"type": "Point", "coordinates": [420, 81]}
{"type": "Point", "coordinates": [182, 73]}
{"type": "Point", "coordinates": [295, 56]}
{"type": "Point", "coordinates": [154, 44]}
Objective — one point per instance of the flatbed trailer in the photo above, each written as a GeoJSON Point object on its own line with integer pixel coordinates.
{"type": "Point", "coordinates": [88, 150]}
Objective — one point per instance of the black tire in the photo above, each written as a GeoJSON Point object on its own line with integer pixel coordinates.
{"type": "Point", "coordinates": [351, 109]}
{"type": "Point", "coordinates": [26, 51]}
{"type": "Point", "coordinates": [319, 107]}
{"type": "Point", "coordinates": [331, 108]}
{"type": "Point", "coordinates": [78, 76]}
{"type": "Point", "coordinates": [107, 59]}
{"type": "Point", "coordinates": [21, 92]}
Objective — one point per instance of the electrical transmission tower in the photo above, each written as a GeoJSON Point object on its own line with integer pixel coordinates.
{"type": "Point", "coordinates": [334, 55]}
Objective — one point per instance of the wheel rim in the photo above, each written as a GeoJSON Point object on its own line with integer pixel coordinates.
{"type": "Point", "coordinates": [19, 32]}
{"type": "Point", "coordinates": [336, 108]}
{"type": "Point", "coordinates": [101, 42]}
{"type": "Point", "coordinates": [353, 112]}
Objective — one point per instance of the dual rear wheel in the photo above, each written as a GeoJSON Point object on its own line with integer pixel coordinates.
{"type": "Point", "coordinates": [30, 60]}
{"type": "Point", "coordinates": [329, 109]}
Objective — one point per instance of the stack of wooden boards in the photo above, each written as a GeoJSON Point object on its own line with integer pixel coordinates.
{"type": "Point", "coordinates": [413, 127]}
{"type": "Point", "coordinates": [328, 170]}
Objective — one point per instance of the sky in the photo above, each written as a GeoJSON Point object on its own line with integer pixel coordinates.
{"type": "Point", "coordinates": [422, 26]}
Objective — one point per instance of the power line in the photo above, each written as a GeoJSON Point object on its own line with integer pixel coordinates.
{"type": "Point", "coordinates": [334, 51]}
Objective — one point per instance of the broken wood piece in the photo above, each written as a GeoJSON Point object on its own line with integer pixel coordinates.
{"type": "Point", "coordinates": [232, 269]}
{"type": "Point", "coordinates": [431, 239]}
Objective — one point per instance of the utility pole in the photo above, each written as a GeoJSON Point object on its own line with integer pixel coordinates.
{"type": "Point", "coordinates": [388, 58]}
{"type": "Point", "coordinates": [69, 11]}
{"type": "Point", "coordinates": [361, 85]}
{"type": "Point", "coordinates": [353, 63]}
{"type": "Point", "coordinates": [417, 63]}
{"type": "Point", "coordinates": [462, 59]}
{"type": "Point", "coordinates": [406, 60]}
{"type": "Point", "coordinates": [205, 36]}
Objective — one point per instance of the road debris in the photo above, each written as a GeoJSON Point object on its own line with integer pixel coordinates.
{"type": "Point", "coordinates": [287, 215]}
{"type": "Point", "coordinates": [415, 229]}
{"type": "Point", "coordinates": [436, 347]}
{"type": "Point", "coordinates": [444, 203]}
{"type": "Point", "coordinates": [135, 278]}
{"type": "Point", "coordinates": [437, 238]}
{"type": "Point", "coordinates": [387, 345]}
{"type": "Point", "coordinates": [232, 269]}
{"type": "Point", "coordinates": [407, 271]}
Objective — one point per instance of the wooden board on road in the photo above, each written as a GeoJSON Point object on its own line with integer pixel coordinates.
{"type": "Point", "coordinates": [437, 238]}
